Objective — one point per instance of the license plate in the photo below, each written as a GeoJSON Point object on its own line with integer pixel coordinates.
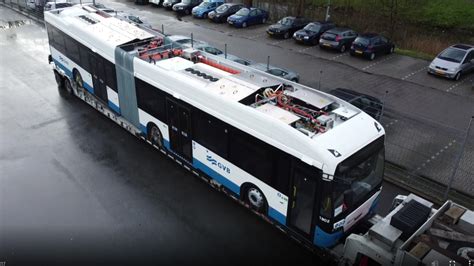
{"type": "Point", "coordinates": [439, 72]}
{"type": "Point", "coordinates": [359, 52]}
{"type": "Point", "coordinates": [269, 32]}
{"type": "Point", "coordinates": [230, 22]}
{"type": "Point", "coordinates": [326, 44]}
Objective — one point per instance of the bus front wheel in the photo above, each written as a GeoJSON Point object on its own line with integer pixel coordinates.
{"type": "Point", "coordinates": [255, 198]}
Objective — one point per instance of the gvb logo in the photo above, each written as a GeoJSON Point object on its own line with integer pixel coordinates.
{"type": "Point", "coordinates": [218, 164]}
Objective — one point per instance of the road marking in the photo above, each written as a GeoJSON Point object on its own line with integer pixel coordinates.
{"type": "Point", "coordinates": [339, 56]}
{"type": "Point", "coordinates": [433, 156]}
{"type": "Point", "coordinates": [304, 49]}
{"type": "Point", "coordinates": [459, 83]}
{"type": "Point", "coordinates": [278, 42]}
{"type": "Point", "coordinates": [253, 37]}
{"type": "Point", "coordinates": [378, 62]}
{"type": "Point", "coordinates": [391, 123]}
{"type": "Point", "coordinates": [414, 73]}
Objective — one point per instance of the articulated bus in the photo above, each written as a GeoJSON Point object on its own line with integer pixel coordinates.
{"type": "Point", "coordinates": [309, 163]}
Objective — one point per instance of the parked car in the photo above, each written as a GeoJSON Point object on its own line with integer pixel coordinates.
{"type": "Point", "coordinates": [339, 39]}
{"type": "Point", "coordinates": [55, 5]}
{"type": "Point", "coordinates": [186, 6]}
{"type": "Point", "coordinates": [132, 19]}
{"type": "Point", "coordinates": [168, 4]}
{"type": "Point", "coordinates": [369, 104]}
{"type": "Point", "coordinates": [453, 62]}
{"type": "Point", "coordinates": [103, 8]}
{"type": "Point", "coordinates": [248, 16]}
{"type": "Point", "coordinates": [205, 7]}
{"type": "Point", "coordinates": [156, 2]}
{"type": "Point", "coordinates": [244, 62]}
{"type": "Point", "coordinates": [287, 26]}
{"type": "Point", "coordinates": [141, 2]}
{"type": "Point", "coordinates": [278, 71]}
{"type": "Point", "coordinates": [311, 33]}
{"type": "Point", "coordinates": [370, 45]}
{"type": "Point", "coordinates": [224, 11]}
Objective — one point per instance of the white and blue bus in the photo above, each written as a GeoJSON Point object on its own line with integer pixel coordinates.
{"type": "Point", "coordinates": [308, 162]}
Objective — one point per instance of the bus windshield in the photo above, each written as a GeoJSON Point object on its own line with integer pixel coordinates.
{"type": "Point", "coordinates": [358, 176]}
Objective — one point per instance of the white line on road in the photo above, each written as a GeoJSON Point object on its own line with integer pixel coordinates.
{"type": "Point", "coordinates": [391, 123]}
{"type": "Point", "coordinates": [433, 157]}
{"type": "Point", "coordinates": [339, 56]}
{"type": "Point", "coordinates": [378, 62]}
{"type": "Point", "coordinates": [304, 49]}
{"type": "Point", "coordinates": [414, 73]}
{"type": "Point", "coordinates": [458, 83]}
{"type": "Point", "coordinates": [278, 42]}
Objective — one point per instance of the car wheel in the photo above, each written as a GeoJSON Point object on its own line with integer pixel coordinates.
{"type": "Point", "coordinates": [244, 25]}
{"type": "Point", "coordinates": [372, 56]}
{"type": "Point", "coordinates": [458, 76]}
{"type": "Point", "coordinates": [294, 80]}
{"type": "Point", "coordinates": [255, 198]}
{"type": "Point", "coordinates": [187, 12]}
{"type": "Point", "coordinates": [343, 48]}
{"type": "Point", "coordinates": [286, 35]}
{"type": "Point", "coordinates": [315, 41]}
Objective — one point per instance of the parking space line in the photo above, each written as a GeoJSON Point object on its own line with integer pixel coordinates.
{"type": "Point", "coordinates": [278, 42]}
{"type": "Point", "coordinates": [414, 73]}
{"type": "Point", "coordinates": [436, 154]}
{"type": "Point", "coordinates": [458, 83]}
{"type": "Point", "coordinates": [338, 56]}
{"type": "Point", "coordinates": [391, 123]}
{"type": "Point", "coordinates": [304, 49]}
{"type": "Point", "coordinates": [256, 36]}
{"type": "Point", "coordinates": [378, 62]}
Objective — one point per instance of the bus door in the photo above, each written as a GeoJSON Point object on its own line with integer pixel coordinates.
{"type": "Point", "coordinates": [98, 76]}
{"type": "Point", "coordinates": [302, 199]}
{"type": "Point", "coordinates": [179, 124]}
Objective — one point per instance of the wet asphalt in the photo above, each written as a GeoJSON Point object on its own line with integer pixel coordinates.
{"type": "Point", "coordinates": [75, 188]}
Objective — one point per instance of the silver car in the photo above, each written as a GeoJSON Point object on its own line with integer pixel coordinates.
{"type": "Point", "coordinates": [278, 71]}
{"type": "Point", "coordinates": [453, 62]}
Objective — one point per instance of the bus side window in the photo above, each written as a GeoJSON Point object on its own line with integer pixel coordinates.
{"type": "Point", "coordinates": [110, 75]}
{"type": "Point", "coordinates": [252, 155]}
{"type": "Point", "coordinates": [150, 100]}
{"type": "Point", "coordinates": [281, 178]}
{"type": "Point", "coordinates": [210, 132]}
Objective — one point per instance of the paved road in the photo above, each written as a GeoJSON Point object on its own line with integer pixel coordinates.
{"type": "Point", "coordinates": [75, 187]}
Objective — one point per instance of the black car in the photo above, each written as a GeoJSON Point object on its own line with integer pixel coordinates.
{"type": "Point", "coordinates": [186, 6]}
{"type": "Point", "coordinates": [224, 11]}
{"type": "Point", "coordinates": [168, 4]}
{"type": "Point", "coordinates": [370, 45]}
{"type": "Point", "coordinates": [369, 104]}
{"type": "Point", "coordinates": [339, 39]}
{"type": "Point", "coordinates": [141, 2]}
{"type": "Point", "coordinates": [287, 26]}
{"type": "Point", "coordinates": [312, 32]}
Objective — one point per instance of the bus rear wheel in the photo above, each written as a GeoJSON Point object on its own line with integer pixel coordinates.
{"type": "Point", "coordinates": [68, 90]}
{"type": "Point", "coordinates": [154, 135]}
{"type": "Point", "coordinates": [255, 198]}
{"type": "Point", "coordinates": [59, 79]}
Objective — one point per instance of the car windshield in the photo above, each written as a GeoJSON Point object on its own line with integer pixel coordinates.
{"type": "Point", "coordinates": [222, 8]}
{"type": "Point", "coordinates": [205, 4]}
{"type": "Point", "coordinates": [358, 176]}
{"type": "Point", "coordinates": [313, 27]}
{"type": "Point", "coordinates": [243, 12]}
{"type": "Point", "coordinates": [362, 40]}
{"type": "Point", "coordinates": [453, 55]}
{"type": "Point", "coordinates": [186, 2]}
{"type": "Point", "coordinates": [286, 21]}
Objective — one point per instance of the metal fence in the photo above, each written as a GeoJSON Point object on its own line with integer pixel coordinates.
{"type": "Point", "coordinates": [422, 154]}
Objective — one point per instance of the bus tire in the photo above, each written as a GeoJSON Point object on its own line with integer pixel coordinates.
{"type": "Point", "coordinates": [154, 135]}
{"type": "Point", "coordinates": [78, 83]}
{"type": "Point", "coordinates": [59, 80]}
{"type": "Point", "coordinates": [68, 87]}
{"type": "Point", "coordinates": [255, 198]}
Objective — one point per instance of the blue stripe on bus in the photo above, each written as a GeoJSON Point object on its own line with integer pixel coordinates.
{"type": "Point", "coordinates": [68, 73]}
{"type": "Point", "coordinates": [114, 107]}
{"type": "Point", "coordinates": [325, 240]}
{"type": "Point", "coordinates": [65, 69]}
{"type": "Point", "coordinates": [279, 217]}
{"type": "Point", "coordinates": [219, 178]}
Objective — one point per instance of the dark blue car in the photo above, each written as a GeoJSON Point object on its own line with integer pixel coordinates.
{"type": "Point", "coordinates": [248, 16]}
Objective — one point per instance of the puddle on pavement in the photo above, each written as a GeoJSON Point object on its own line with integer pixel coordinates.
{"type": "Point", "coordinates": [13, 24]}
